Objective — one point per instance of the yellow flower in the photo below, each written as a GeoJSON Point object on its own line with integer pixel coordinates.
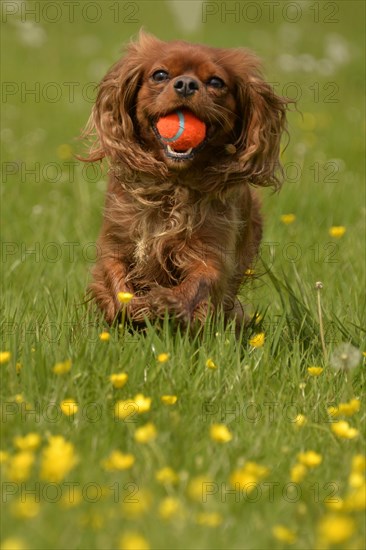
{"type": "Point", "coordinates": [210, 364]}
{"type": "Point", "coordinates": [13, 543]}
{"type": "Point", "coordinates": [58, 459]}
{"type": "Point", "coordinates": [118, 379]}
{"type": "Point", "coordinates": [18, 467]}
{"type": "Point", "coordinates": [26, 508]}
{"type": "Point", "coordinates": [170, 507]}
{"type": "Point", "coordinates": [335, 505]}
{"type": "Point", "coordinates": [337, 231]}
{"type": "Point", "coordinates": [104, 336]}
{"type": "Point", "coordinates": [145, 433]}
{"type": "Point", "coordinates": [257, 341]}
{"type": "Point", "coordinates": [346, 409]}
{"type": "Point", "coordinates": [169, 399]}
{"type": "Point", "coordinates": [343, 429]}
{"type": "Point", "coordinates": [287, 219]}
{"type": "Point", "coordinates": [336, 529]}
{"type": "Point", "coordinates": [355, 501]}
{"type": "Point", "coordinates": [298, 472]}
{"type": "Point", "coordinates": [4, 357]}
{"type": "Point", "coordinates": [300, 420]}
{"type": "Point", "coordinates": [315, 371]}
{"type": "Point", "coordinates": [163, 357]}
{"type": "Point", "coordinates": [62, 367]}
{"type": "Point", "coordinates": [311, 459]}
{"type": "Point", "coordinates": [143, 403]}
{"type": "Point", "coordinates": [133, 541]}
{"type": "Point", "coordinates": [29, 442]}
{"type": "Point", "coordinates": [128, 408]}
{"type": "Point", "coordinates": [198, 486]}
{"type": "Point", "coordinates": [359, 463]}
{"type": "Point", "coordinates": [249, 272]}
{"type": "Point", "coordinates": [118, 461]}
{"type": "Point", "coordinates": [137, 506]}
{"type": "Point", "coordinates": [69, 406]}
{"type": "Point", "coordinates": [4, 457]}
{"type": "Point", "coordinates": [124, 297]}
{"type": "Point", "coordinates": [166, 476]}
{"type": "Point", "coordinates": [209, 519]}
{"type": "Point", "coordinates": [246, 477]}
{"type": "Point", "coordinates": [220, 433]}
{"type": "Point", "coordinates": [283, 534]}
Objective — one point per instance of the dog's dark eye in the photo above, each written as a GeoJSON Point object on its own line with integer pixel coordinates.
{"type": "Point", "coordinates": [160, 76]}
{"type": "Point", "coordinates": [215, 82]}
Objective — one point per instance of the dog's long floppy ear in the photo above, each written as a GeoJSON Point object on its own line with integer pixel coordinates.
{"type": "Point", "coordinates": [261, 121]}
{"type": "Point", "coordinates": [112, 119]}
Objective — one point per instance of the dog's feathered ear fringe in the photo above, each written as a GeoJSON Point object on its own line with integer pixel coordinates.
{"type": "Point", "coordinates": [111, 126]}
{"type": "Point", "coordinates": [260, 124]}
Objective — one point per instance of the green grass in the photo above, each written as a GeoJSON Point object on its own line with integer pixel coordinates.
{"type": "Point", "coordinates": [255, 392]}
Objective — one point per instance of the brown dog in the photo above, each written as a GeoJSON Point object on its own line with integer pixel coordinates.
{"type": "Point", "coordinates": [180, 229]}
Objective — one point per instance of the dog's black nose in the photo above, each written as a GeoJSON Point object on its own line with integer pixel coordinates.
{"type": "Point", "coordinates": [186, 85]}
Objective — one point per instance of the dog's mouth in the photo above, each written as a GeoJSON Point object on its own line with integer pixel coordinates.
{"type": "Point", "coordinates": [175, 151]}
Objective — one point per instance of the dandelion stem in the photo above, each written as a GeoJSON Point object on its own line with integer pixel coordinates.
{"type": "Point", "coordinates": [318, 287]}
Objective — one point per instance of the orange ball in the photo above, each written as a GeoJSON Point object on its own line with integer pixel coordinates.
{"type": "Point", "coordinates": [181, 130]}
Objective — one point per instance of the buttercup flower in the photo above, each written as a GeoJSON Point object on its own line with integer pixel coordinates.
{"type": "Point", "coordinates": [4, 457]}
{"type": "Point", "coordinates": [170, 507]}
{"type": "Point", "coordinates": [19, 466]}
{"type": "Point", "coordinates": [69, 407]}
{"type": "Point", "coordinates": [146, 433]}
{"type": "Point", "coordinates": [300, 420]}
{"type": "Point", "coordinates": [4, 357]}
{"type": "Point", "coordinates": [29, 442]}
{"type": "Point", "coordinates": [287, 219]}
{"type": "Point", "coordinates": [166, 476]}
{"type": "Point", "coordinates": [62, 367]}
{"type": "Point", "coordinates": [248, 476]}
{"type": "Point", "coordinates": [198, 486]}
{"type": "Point", "coordinates": [220, 433]}
{"type": "Point", "coordinates": [13, 543]}
{"type": "Point", "coordinates": [336, 529]}
{"type": "Point", "coordinates": [343, 429]}
{"type": "Point", "coordinates": [249, 272]}
{"type": "Point", "coordinates": [315, 371]}
{"type": "Point", "coordinates": [143, 403]}
{"type": "Point", "coordinates": [118, 461]}
{"type": "Point", "coordinates": [25, 508]}
{"type": "Point", "coordinates": [311, 459]}
{"type": "Point", "coordinates": [163, 357]}
{"type": "Point", "coordinates": [104, 336]}
{"type": "Point", "coordinates": [257, 341]}
{"type": "Point", "coordinates": [58, 459]}
{"type": "Point", "coordinates": [209, 519]}
{"type": "Point", "coordinates": [169, 399]}
{"type": "Point", "coordinates": [345, 409]}
{"type": "Point", "coordinates": [337, 231]}
{"type": "Point", "coordinates": [133, 541]}
{"type": "Point", "coordinates": [127, 408]}
{"type": "Point", "coordinates": [283, 534]}
{"type": "Point", "coordinates": [210, 364]}
{"type": "Point", "coordinates": [124, 297]}
{"type": "Point", "coordinates": [298, 472]}
{"type": "Point", "coordinates": [118, 379]}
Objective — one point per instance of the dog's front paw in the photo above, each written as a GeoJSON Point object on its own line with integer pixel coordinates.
{"type": "Point", "coordinates": [167, 300]}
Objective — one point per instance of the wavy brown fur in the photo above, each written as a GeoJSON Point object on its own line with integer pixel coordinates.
{"type": "Point", "coordinates": [179, 235]}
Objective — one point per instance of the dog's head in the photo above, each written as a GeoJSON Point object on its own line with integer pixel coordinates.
{"type": "Point", "coordinates": [224, 88]}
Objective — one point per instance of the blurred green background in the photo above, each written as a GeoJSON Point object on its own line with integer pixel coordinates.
{"type": "Point", "coordinates": [52, 56]}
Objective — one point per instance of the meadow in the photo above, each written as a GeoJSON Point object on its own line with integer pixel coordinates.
{"type": "Point", "coordinates": [117, 439]}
